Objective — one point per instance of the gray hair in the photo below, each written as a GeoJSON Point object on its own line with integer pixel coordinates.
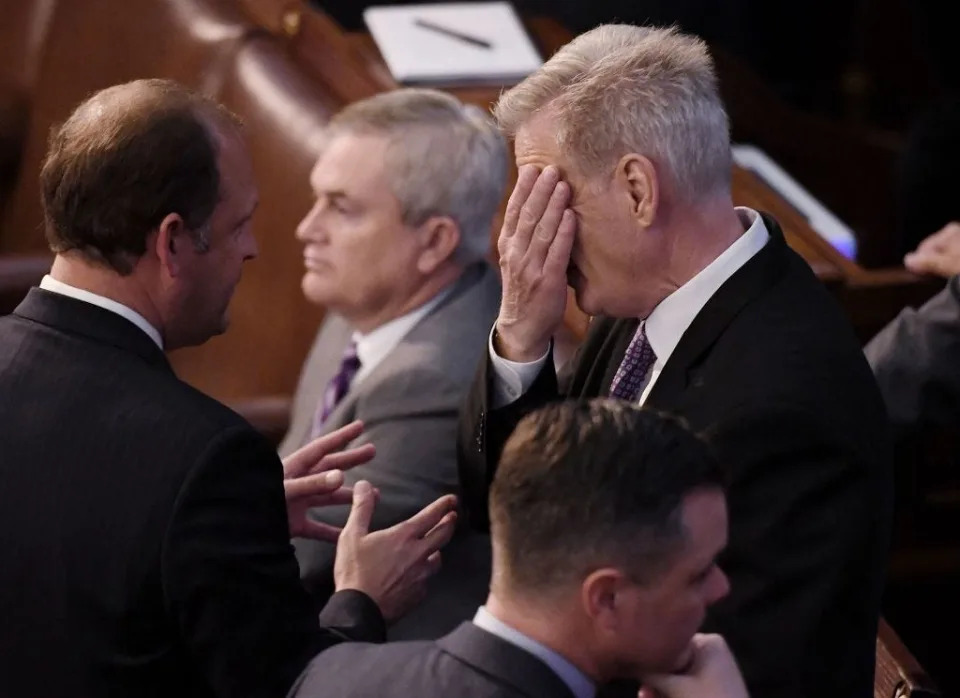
{"type": "Point", "coordinates": [618, 89]}
{"type": "Point", "coordinates": [444, 159]}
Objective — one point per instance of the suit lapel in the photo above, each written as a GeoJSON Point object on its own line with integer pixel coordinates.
{"type": "Point", "coordinates": [85, 319]}
{"type": "Point", "coordinates": [422, 331]}
{"type": "Point", "coordinates": [503, 661]}
{"type": "Point", "coordinates": [763, 270]}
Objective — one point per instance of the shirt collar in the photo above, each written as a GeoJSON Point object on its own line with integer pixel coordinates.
{"type": "Point", "coordinates": [376, 345]}
{"type": "Point", "coordinates": [579, 683]}
{"type": "Point", "coordinates": [48, 283]}
{"type": "Point", "coordinates": [671, 318]}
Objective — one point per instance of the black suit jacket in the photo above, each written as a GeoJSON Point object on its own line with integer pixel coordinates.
{"type": "Point", "coordinates": [144, 544]}
{"type": "Point", "coordinates": [467, 663]}
{"type": "Point", "coordinates": [771, 371]}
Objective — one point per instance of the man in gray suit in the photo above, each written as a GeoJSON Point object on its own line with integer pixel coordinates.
{"type": "Point", "coordinates": [407, 187]}
{"type": "Point", "coordinates": [916, 358]}
{"type": "Point", "coordinates": [607, 520]}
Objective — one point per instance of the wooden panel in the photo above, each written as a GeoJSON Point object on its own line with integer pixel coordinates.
{"type": "Point", "coordinates": [898, 673]}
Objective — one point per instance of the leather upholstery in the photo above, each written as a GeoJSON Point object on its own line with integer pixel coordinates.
{"type": "Point", "coordinates": [96, 43]}
{"type": "Point", "coordinates": [240, 53]}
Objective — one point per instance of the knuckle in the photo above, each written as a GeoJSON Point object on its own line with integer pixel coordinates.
{"type": "Point", "coordinates": [527, 218]}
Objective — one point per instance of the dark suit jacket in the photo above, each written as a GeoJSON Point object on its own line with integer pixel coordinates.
{"type": "Point", "coordinates": [771, 370]}
{"type": "Point", "coordinates": [409, 405]}
{"type": "Point", "coordinates": [467, 663]}
{"type": "Point", "coordinates": [916, 360]}
{"type": "Point", "coordinates": [144, 544]}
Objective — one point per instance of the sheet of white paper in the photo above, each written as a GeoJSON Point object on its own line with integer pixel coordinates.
{"type": "Point", "coordinates": [416, 54]}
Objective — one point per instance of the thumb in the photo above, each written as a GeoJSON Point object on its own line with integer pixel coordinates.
{"type": "Point", "coordinates": [364, 501]}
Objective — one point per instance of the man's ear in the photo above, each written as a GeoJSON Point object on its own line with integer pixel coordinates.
{"type": "Point", "coordinates": [169, 244]}
{"type": "Point", "coordinates": [439, 238]}
{"type": "Point", "coordinates": [602, 599]}
{"type": "Point", "coordinates": [638, 176]}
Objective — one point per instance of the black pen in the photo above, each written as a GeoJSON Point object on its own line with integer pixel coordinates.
{"type": "Point", "coordinates": [425, 24]}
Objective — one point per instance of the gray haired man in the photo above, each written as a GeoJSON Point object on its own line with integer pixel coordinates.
{"type": "Point", "coordinates": [407, 187]}
{"type": "Point", "coordinates": [701, 310]}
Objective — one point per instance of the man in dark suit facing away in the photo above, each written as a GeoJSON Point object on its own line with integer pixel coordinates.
{"type": "Point", "coordinates": [701, 310]}
{"type": "Point", "coordinates": [144, 540]}
{"type": "Point", "coordinates": [606, 521]}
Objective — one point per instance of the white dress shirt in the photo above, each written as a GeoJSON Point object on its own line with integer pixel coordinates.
{"type": "Point", "coordinates": [579, 683]}
{"type": "Point", "coordinates": [376, 345]}
{"type": "Point", "coordinates": [48, 283]}
{"type": "Point", "coordinates": [664, 326]}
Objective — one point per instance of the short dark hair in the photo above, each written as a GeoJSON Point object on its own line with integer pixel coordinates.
{"type": "Point", "coordinates": [587, 484]}
{"type": "Point", "coordinates": [125, 158]}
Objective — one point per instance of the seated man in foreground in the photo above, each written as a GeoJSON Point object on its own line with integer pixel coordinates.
{"type": "Point", "coordinates": [144, 541]}
{"type": "Point", "coordinates": [407, 186]}
{"type": "Point", "coordinates": [700, 310]}
{"type": "Point", "coordinates": [606, 523]}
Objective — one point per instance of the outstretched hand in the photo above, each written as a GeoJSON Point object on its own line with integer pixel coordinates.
{"type": "Point", "coordinates": [313, 477]}
{"type": "Point", "coordinates": [392, 566]}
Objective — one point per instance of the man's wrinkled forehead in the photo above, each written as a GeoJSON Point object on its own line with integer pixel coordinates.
{"type": "Point", "coordinates": [347, 155]}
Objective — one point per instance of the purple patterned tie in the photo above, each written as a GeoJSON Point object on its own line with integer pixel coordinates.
{"type": "Point", "coordinates": [337, 387]}
{"type": "Point", "coordinates": [633, 369]}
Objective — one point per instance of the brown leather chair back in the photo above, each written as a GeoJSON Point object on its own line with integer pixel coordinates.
{"type": "Point", "coordinates": [23, 32]}
{"type": "Point", "coordinates": [321, 46]}
{"type": "Point", "coordinates": [272, 326]}
{"type": "Point", "coordinates": [97, 43]}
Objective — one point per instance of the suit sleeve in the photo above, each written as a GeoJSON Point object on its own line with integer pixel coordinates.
{"type": "Point", "coordinates": [230, 580]}
{"type": "Point", "coordinates": [482, 433]}
{"type": "Point", "coordinates": [916, 361]}
{"type": "Point", "coordinates": [807, 517]}
{"type": "Point", "coordinates": [411, 418]}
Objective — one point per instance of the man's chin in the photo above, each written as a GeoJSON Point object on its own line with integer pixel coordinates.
{"type": "Point", "coordinates": [683, 661]}
{"type": "Point", "coordinates": [315, 288]}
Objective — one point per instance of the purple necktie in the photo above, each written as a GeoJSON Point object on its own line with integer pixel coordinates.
{"type": "Point", "coordinates": [633, 369]}
{"type": "Point", "coordinates": [337, 387]}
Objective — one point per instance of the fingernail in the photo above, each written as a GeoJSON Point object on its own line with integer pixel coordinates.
{"type": "Point", "coordinates": [551, 173]}
{"type": "Point", "coordinates": [333, 475]}
{"type": "Point", "coordinates": [361, 489]}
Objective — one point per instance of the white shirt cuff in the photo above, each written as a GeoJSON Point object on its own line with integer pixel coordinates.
{"type": "Point", "coordinates": [512, 378]}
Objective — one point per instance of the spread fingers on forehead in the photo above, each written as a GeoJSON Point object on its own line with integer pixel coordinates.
{"type": "Point", "coordinates": [545, 231]}
{"type": "Point", "coordinates": [527, 176]}
{"type": "Point", "coordinates": [535, 205]}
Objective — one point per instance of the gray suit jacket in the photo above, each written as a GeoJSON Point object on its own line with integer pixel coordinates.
{"type": "Point", "coordinates": [409, 404]}
{"type": "Point", "coordinates": [916, 360]}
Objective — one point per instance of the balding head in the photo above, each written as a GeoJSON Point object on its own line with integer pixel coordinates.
{"type": "Point", "coordinates": [127, 157]}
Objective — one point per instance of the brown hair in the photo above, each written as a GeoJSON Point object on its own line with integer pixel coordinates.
{"type": "Point", "coordinates": [126, 158]}
{"type": "Point", "coordinates": [588, 484]}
